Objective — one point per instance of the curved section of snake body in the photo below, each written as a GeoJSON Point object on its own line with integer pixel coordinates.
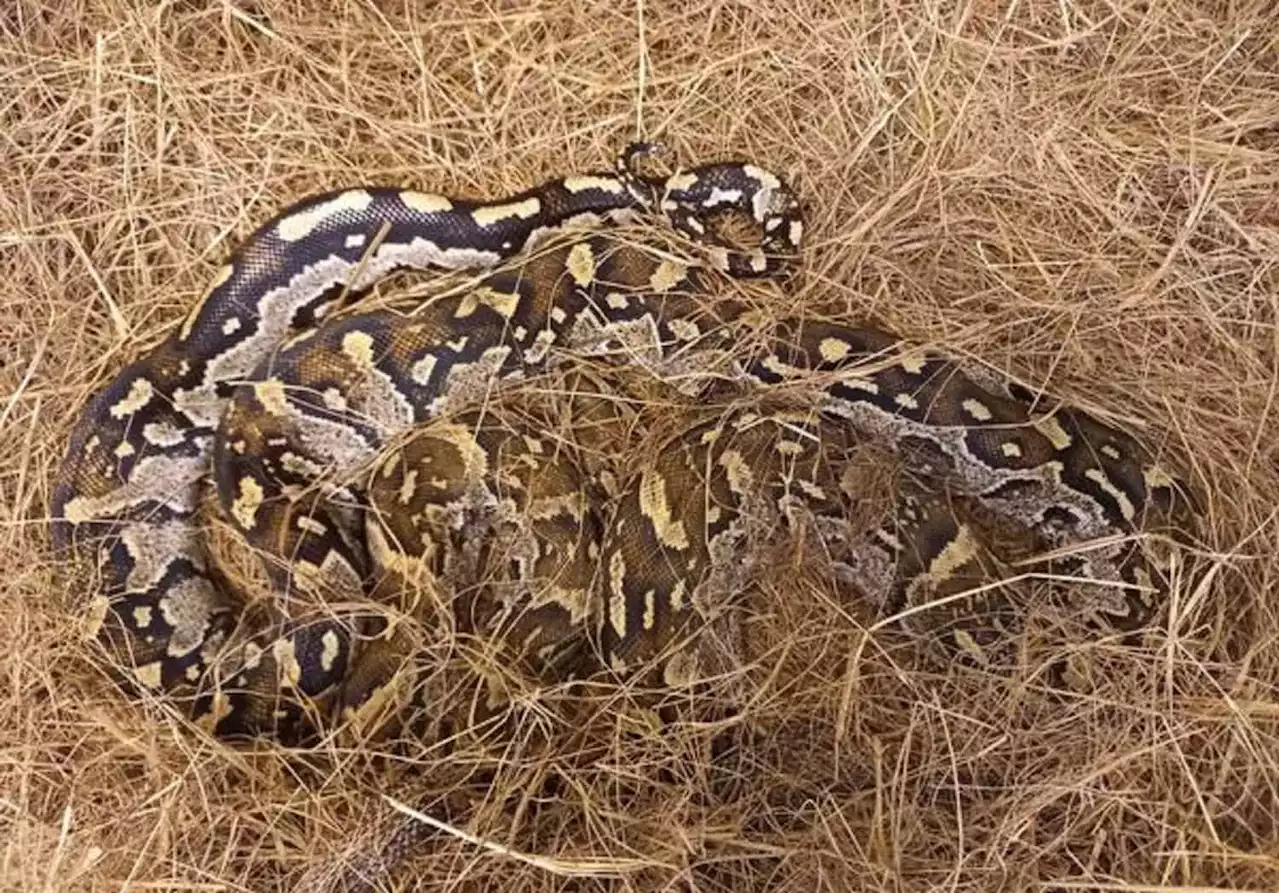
{"type": "Point", "coordinates": [289, 409]}
{"type": "Point", "coordinates": [126, 496]}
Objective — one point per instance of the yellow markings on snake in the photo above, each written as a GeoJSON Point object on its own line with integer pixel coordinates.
{"type": "Point", "coordinates": [737, 471]}
{"type": "Point", "coordinates": [422, 368]}
{"type": "Point", "coordinates": [617, 591]}
{"type": "Point", "coordinates": [675, 598]}
{"type": "Point", "coordinates": [977, 409]}
{"type": "Point", "coordinates": [331, 648]}
{"type": "Point", "coordinates": [359, 346]}
{"type": "Point", "coordinates": [334, 399]}
{"type": "Point", "coordinates": [490, 215]}
{"type": "Point", "coordinates": [761, 176]}
{"type": "Point", "coordinates": [142, 616]}
{"type": "Point", "coordinates": [223, 274]}
{"type": "Point", "coordinates": [309, 524]}
{"type": "Point", "coordinates": [667, 276]}
{"type": "Point", "coordinates": [150, 675]}
{"type": "Point", "coordinates": [684, 329]}
{"type": "Point", "coordinates": [247, 502]}
{"type": "Point", "coordinates": [1156, 478]}
{"type": "Point", "coordinates": [231, 325]}
{"type": "Point", "coordinates": [861, 384]}
{"type": "Point", "coordinates": [585, 183]}
{"type": "Point", "coordinates": [270, 393]}
{"type": "Point", "coordinates": [408, 485]}
{"type": "Point", "coordinates": [833, 350]}
{"type": "Point", "coordinates": [913, 365]}
{"type": "Point", "coordinates": [1099, 477]}
{"type": "Point", "coordinates": [504, 303]}
{"type": "Point", "coordinates": [124, 449]}
{"type": "Point", "coordinates": [286, 656]}
{"type": "Point", "coordinates": [425, 202]}
{"type": "Point", "coordinates": [298, 226]}
{"type": "Point", "coordinates": [795, 232]}
{"type": "Point", "coordinates": [960, 551]}
{"type": "Point", "coordinates": [682, 181]}
{"type": "Point", "coordinates": [906, 401]}
{"type": "Point", "coordinates": [653, 504]}
{"type": "Point", "coordinates": [140, 394]}
{"type": "Point", "coordinates": [1052, 429]}
{"type": "Point", "coordinates": [650, 615]}
{"type": "Point", "coordinates": [581, 263]}
{"type": "Point", "coordinates": [1011, 449]}
{"type": "Point", "coordinates": [1109, 451]}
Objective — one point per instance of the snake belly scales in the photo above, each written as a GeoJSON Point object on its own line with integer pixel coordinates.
{"type": "Point", "coordinates": [260, 390]}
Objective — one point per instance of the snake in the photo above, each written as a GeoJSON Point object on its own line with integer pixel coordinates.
{"type": "Point", "coordinates": [276, 394]}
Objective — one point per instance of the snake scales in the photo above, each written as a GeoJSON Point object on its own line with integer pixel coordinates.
{"type": "Point", "coordinates": [284, 406]}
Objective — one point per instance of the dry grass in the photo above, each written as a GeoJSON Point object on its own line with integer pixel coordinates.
{"type": "Point", "coordinates": [1081, 193]}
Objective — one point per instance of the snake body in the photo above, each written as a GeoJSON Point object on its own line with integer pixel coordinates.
{"type": "Point", "coordinates": [284, 406]}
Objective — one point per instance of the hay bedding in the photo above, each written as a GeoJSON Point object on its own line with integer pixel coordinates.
{"type": "Point", "coordinates": [1081, 194]}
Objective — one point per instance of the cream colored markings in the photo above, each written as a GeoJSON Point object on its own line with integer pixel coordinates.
{"type": "Point", "coordinates": [220, 277]}
{"type": "Point", "coordinates": [737, 471]}
{"type": "Point", "coordinates": [425, 202]}
{"type": "Point", "coordinates": [359, 347]}
{"type": "Point", "coordinates": [142, 617]}
{"type": "Point", "coordinates": [247, 502]}
{"type": "Point", "coordinates": [912, 365]}
{"type": "Point", "coordinates": [286, 657]}
{"type": "Point", "coordinates": [270, 393]}
{"type": "Point", "coordinates": [959, 552]}
{"type": "Point", "coordinates": [331, 647]}
{"type": "Point", "coordinates": [1099, 477]}
{"type": "Point", "coordinates": [1011, 449]}
{"type": "Point", "coordinates": [149, 674]}
{"type": "Point", "coordinates": [618, 604]}
{"type": "Point", "coordinates": [422, 368]}
{"type": "Point", "coordinates": [667, 276]}
{"type": "Point", "coordinates": [300, 225]}
{"type": "Point", "coordinates": [1053, 430]}
{"type": "Point", "coordinates": [581, 263]}
{"type": "Point", "coordinates": [795, 232]}
{"type": "Point", "coordinates": [1109, 451]}
{"type": "Point", "coordinates": [1156, 478]}
{"type": "Point", "coordinates": [487, 216]}
{"type": "Point", "coordinates": [684, 329]}
{"type": "Point", "coordinates": [310, 525]}
{"type": "Point", "coordinates": [231, 325]}
{"type": "Point", "coordinates": [124, 449]}
{"type": "Point", "coordinates": [906, 401]}
{"type": "Point", "coordinates": [650, 610]}
{"type": "Point", "coordinates": [977, 409]}
{"type": "Point", "coordinates": [585, 183]}
{"type": "Point", "coordinates": [681, 181]}
{"type": "Point", "coordinates": [503, 303]}
{"type": "Point", "coordinates": [833, 350]}
{"type": "Point", "coordinates": [140, 394]}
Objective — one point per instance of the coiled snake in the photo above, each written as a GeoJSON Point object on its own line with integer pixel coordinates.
{"type": "Point", "coordinates": [285, 407]}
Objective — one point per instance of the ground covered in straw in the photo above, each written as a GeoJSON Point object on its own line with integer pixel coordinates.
{"type": "Point", "coordinates": [1082, 194]}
